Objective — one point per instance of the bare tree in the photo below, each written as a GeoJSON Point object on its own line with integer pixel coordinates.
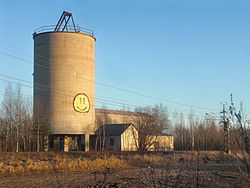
{"type": "Point", "coordinates": [17, 129]}
{"type": "Point", "coordinates": [40, 126]}
{"type": "Point", "coordinates": [102, 119]}
{"type": "Point", "coordinates": [149, 124]}
{"type": "Point", "coordinates": [179, 131]}
{"type": "Point", "coordinates": [15, 112]}
{"type": "Point", "coordinates": [8, 112]}
{"type": "Point", "coordinates": [191, 123]}
{"type": "Point", "coordinates": [27, 124]}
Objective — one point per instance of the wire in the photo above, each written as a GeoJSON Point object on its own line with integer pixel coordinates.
{"type": "Point", "coordinates": [4, 80]}
{"type": "Point", "coordinates": [14, 78]}
{"type": "Point", "coordinates": [47, 90]}
{"type": "Point", "coordinates": [113, 103]}
{"type": "Point", "coordinates": [22, 95]}
{"type": "Point", "coordinates": [118, 88]}
{"type": "Point", "coordinates": [97, 99]}
{"type": "Point", "coordinates": [23, 60]}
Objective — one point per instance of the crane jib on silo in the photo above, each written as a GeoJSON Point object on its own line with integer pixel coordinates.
{"type": "Point", "coordinates": [64, 83]}
{"type": "Point", "coordinates": [65, 18]}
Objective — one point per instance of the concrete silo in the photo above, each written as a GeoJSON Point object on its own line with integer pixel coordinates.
{"type": "Point", "coordinates": [64, 82]}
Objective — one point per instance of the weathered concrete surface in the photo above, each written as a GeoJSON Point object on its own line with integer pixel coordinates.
{"type": "Point", "coordinates": [64, 67]}
{"type": "Point", "coordinates": [114, 116]}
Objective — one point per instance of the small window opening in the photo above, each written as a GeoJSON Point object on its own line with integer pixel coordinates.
{"type": "Point", "coordinates": [112, 141]}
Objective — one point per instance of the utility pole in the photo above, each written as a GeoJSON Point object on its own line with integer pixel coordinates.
{"type": "Point", "coordinates": [227, 126]}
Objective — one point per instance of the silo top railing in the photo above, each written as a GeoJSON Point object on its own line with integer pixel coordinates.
{"type": "Point", "coordinates": [51, 28]}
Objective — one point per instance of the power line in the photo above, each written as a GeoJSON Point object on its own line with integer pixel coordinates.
{"type": "Point", "coordinates": [97, 99]}
{"type": "Point", "coordinates": [106, 85]}
{"type": "Point", "coordinates": [22, 95]}
{"type": "Point", "coordinates": [14, 78]}
{"type": "Point", "coordinates": [121, 89]}
{"type": "Point", "coordinates": [23, 60]}
{"type": "Point", "coordinates": [4, 80]}
{"type": "Point", "coordinates": [46, 86]}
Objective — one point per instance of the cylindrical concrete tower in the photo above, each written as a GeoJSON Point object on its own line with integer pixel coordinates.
{"type": "Point", "coordinates": [64, 84]}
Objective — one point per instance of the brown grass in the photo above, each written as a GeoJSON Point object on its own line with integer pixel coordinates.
{"type": "Point", "coordinates": [58, 164]}
{"type": "Point", "coordinates": [38, 163]}
{"type": "Point", "coordinates": [144, 159]}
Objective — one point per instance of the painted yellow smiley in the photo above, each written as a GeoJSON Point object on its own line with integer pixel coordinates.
{"type": "Point", "coordinates": [81, 103]}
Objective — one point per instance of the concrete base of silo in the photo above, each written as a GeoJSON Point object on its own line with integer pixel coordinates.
{"type": "Point", "coordinates": [69, 142]}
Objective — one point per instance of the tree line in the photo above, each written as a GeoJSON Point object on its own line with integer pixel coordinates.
{"type": "Point", "coordinates": [20, 130]}
{"type": "Point", "coordinates": [199, 134]}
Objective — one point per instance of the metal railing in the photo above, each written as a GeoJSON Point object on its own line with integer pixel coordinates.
{"type": "Point", "coordinates": [51, 28]}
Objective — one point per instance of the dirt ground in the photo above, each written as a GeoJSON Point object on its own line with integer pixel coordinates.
{"type": "Point", "coordinates": [182, 169]}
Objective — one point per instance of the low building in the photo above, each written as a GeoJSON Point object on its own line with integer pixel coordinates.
{"type": "Point", "coordinates": [124, 137]}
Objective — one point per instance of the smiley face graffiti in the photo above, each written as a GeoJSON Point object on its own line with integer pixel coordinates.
{"type": "Point", "coordinates": [81, 103]}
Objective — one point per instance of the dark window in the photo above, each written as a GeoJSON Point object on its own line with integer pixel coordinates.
{"type": "Point", "coordinates": [112, 141]}
{"type": "Point", "coordinates": [157, 145]}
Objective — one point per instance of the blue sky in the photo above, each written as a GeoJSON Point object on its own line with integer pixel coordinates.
{"type": "Point", "coordinates": [191, 52]}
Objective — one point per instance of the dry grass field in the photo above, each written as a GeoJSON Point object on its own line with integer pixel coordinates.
{"type": "Point", "coordinates": [161, 169]}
